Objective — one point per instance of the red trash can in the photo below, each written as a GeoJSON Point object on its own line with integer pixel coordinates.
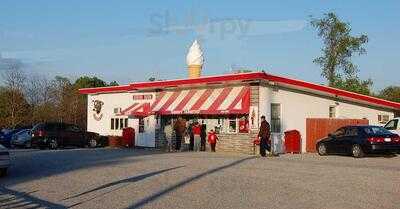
{"type": "Point", "coordinates": [128, 137]}
{"type": "Point", "coordinates": [292, 141]}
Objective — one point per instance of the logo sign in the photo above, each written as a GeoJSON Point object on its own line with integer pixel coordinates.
{"type": "Point", "coordinates": [142, 97]}
{"type": "Point", "coordinates": [97, 106]}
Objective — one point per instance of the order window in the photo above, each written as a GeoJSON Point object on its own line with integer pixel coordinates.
{"type": "Point", "coordinates": [232, 125]}
{"type": "Point", "coordinates": [275, 118]}
{"type": "Point", "coordinates": [141, 125]}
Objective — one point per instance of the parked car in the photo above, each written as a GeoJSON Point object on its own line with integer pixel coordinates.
{"type": "Point", "coordinates": [22, 139]}
{"type": "Point", "coordinates": [55, 135]}
{"type": "Point", "coordinates": [5, 138]}
{"type": "Point", "coordinates": [393, 126]}
{"type": "Point", "coordinates": [358, 141]}
{"type": "Point", "coordinates": [4, 160]}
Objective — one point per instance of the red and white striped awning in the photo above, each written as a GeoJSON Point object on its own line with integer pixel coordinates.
{"type": "Point", "coordinates": [137, 109]}
{"type": "Point", "coordinates": [228, 100]}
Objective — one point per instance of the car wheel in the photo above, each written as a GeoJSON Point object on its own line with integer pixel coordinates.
{"type": "Point", "coordinates": [92, 143]}
{"type": "Point", "coordinates": [3, 172]}
{"type": "Point", "coordinates": [357, 151]}
{"type": "Point", "coordinates": [322, 149]}
{"type": "Point", "coordinates": [53, 144]}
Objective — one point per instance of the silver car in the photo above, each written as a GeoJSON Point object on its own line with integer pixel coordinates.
{"type": "Point", "coordinates": [4, 160]}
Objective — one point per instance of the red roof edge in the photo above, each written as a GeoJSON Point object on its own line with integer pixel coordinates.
{"type": "Point", "coordinates": [243, 76]}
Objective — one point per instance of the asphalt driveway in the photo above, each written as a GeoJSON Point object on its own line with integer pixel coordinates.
{"type": "Point", "coordinates": [119, 178]}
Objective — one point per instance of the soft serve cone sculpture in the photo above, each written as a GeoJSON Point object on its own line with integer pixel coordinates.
{"type": "Point", "coordinates": [195, 60]}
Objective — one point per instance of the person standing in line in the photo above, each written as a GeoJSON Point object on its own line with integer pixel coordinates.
{"type": "Point", "coordinates": [190, 133]}
{"type": "Point", "coordinates": [203, 136]}
{"type": "Point", "coordinates": [168, 135]}
{"type": "Point", "coordinates": [264, 135]}
{"type": "Point", "coordinates": [180, 129]}
{"type": "Point", "coordinates": [212, 139]}
{"type": "Point", "coordinates": [197, 140]}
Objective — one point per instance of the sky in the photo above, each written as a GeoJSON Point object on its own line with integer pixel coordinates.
{"type": "Point", "coordinates": [130, 41]}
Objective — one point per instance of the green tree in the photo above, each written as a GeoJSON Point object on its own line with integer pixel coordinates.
{"type": "Point", "coordinates": [339, 47]}
{"type": "Point", "coordinates": [391, 93]}
{"type": "Point", "coordinates": [89, 82]}
{"type": "Point", "coordinates": [113, 83]}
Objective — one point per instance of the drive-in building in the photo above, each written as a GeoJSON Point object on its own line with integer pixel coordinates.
{"type": "Point", "coordinates": [231, 104]}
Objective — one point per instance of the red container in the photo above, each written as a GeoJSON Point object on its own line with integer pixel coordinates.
{"type": "Point", "coordinates": [292, 141]}
{"type": "Point", "coordinates": [128, 137]}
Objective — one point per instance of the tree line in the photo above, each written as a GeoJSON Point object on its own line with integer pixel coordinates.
{"type": "Point", "coordinates": [28, 99]}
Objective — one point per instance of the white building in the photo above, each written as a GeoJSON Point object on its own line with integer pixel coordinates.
{"type": "Point", "coordinates": [231, 103]}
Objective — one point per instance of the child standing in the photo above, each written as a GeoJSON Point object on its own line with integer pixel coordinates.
{"type": "Point", "coordinates": [212, 139]}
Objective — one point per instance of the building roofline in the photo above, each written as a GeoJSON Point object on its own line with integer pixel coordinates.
{"type": "Point", "coordinates": [244, 77]}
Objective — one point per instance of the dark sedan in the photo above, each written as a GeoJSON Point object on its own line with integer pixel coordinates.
{"type": "Point", "coordinates": [358, 141]}
{"type": "Point", "coordinates": [55, 135]}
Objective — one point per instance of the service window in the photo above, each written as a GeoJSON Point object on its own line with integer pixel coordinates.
{"type": "Point", "coordinates": [141, 125]}
{"type": "Point", "coordinates": [116, 123]}
{"type": "Point", "coordinates": [232, 125]}
{"type": "Point", "coordinates": [276, 118]}
{"type": "Point", "coordinates": [392, 125]}
{"type": "Point", "coordinates": [332, 111]}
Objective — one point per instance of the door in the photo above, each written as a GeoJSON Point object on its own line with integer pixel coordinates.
{"type": "Point", "coordinates": [75, 136]}
{"type": "Point", "coordinates": [146, 132]}
{"type": "Point", "coordinates": [334, 144]}
{"type": "Point", "coordinates": [393, 126]}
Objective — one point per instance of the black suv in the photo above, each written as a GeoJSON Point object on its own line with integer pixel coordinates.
{"type": "Point", "coordinates": [54, 135]}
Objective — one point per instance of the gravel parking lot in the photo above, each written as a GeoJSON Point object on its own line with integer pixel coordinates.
{"type": "Point", "coordinates": [119, 178]}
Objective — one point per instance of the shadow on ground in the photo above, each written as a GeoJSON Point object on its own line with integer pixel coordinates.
{"type": "Point", "coordinates": [13, 199]}
{"type": "Point", "coordinates": [123, 181]}
{"type": "Point", "coordinates": [35, 164]}
{"type": "Point", "coordinates": [169, 189]}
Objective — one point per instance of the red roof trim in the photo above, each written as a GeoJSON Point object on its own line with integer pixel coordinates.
{"type": "Point", "coordinates": [241, 77]}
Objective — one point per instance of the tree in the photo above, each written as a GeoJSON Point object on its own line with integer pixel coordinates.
{"type": "Point", "coordinates": [89, 82]}
{"type": "Point", "coordinates": [391, 93]}
{"type": "Point", "coordinates": [355, 84]}
{"type": "Point", "coordinates": [339, 47]}
{"type": "Point", "coordinates": [14, 105]}
{"type": "Point", "coordinates": [113, 83]}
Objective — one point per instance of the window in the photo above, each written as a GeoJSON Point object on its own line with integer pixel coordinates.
{"type": "Point", "coordinates": [332, 111]}
{"type": "Point", "coordinates": [232, 125]}
{"type": "Point", "coordinates": [383, 118]}
{"type": "Point", "coordinates": [121, 123]}
{"type": "Point", "coordinates": [276, 118]}
{"type": "Point", "coordinates": [116, 123]}
{"type": "Point", "coordinates": [112, 123]}
{"type": "Point", "coordinates": [375, 130]}
{"type": "Point", "coordinates": [141, 125]}
{"type": "Point", "coordinates": [351, 132]}
{"type": "Point", "coordinates": [339, 133]}
{"type": "Point", "coordinates": [126, 122]}
{"type": "Point", "coordinates": [391, 125]}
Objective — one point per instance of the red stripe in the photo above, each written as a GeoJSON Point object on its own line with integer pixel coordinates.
{"type": "Point", "coordinates": [202, 99]}
{"type": "Point", "coordinates": [160, 96]}
{"type": "Point", "coordinates": [239, 97]}
{"type": "Point", "coordinates": [185, 100]}
{"type": "Point", "coordinates": [145, 110]}
{"type": "Point", "coordinates": [221, 97]}
{"type": "Point", "coordinates": [129, 108]}
{"type": "Point", "coordinates": [171, 99]}
{"type": "Point", "coordinates": [244, 77]}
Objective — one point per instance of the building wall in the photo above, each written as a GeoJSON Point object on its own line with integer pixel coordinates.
{"type": "Point", "coordinates": [297, 106]}
{"type": "Point", "coordinates": [119, 100]}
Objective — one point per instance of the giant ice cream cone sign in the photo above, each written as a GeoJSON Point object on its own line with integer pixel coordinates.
{"type": "Point", "coordinates": [195, 60]}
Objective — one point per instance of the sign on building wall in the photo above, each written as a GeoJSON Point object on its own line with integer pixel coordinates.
{"type": "Point", "coordinates": [253, 115]}
{"type": "Point", "coordinates": [97, 106]}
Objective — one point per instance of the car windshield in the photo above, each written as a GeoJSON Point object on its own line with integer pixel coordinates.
{"type": "Point", "coordinates": [374, 130]}
{"type": "Point", "coordinates": [2, 147]}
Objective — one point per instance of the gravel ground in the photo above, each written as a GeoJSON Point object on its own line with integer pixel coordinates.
{"type": "Point", "coordinates": [118, 178]}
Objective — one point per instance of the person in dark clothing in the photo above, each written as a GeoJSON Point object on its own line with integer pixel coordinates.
{"type": "Point", "coordinates": [191, 136]}
{"type": "Point", "coordinates": [264, 135]}
{"type": "Point", "coordinates": [203, 136]}
{"type": "Point", "coordinates": [180, 129]}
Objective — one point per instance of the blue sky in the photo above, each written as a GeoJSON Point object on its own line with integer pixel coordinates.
{"type": "Point", "coordinates": [131, 40]}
